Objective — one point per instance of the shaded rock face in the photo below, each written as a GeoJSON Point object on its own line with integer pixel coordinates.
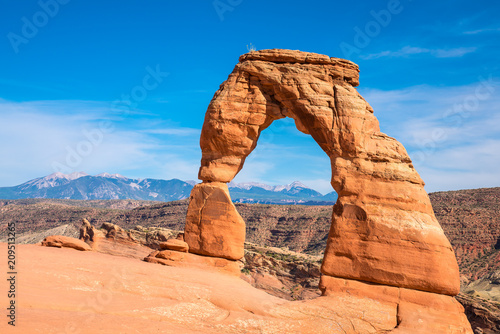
{"type": "Point", "coordinates": [383, 227]}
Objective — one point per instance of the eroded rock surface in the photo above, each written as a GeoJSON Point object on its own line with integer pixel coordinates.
{"type": "Point", "coordinates": [215, 228]}
{"type": "Point", "coordinates": [383, 226]}
{"type": "Point", "coordinates": [87, 231]}
{"type": "Point", "coordinates": [124, 295]}
{"type": "Point", "coordinates": [60, 241]}
{"type": "Point", "coordinates": [383, 233]}
{"type": "Point", "coordinates": [175, 245]}
{"type": "Point", "coordinates": [112, 239]}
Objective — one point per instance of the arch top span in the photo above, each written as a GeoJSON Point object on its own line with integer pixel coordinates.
{"type": "Point", "coordinates": [383, 226]}
{"type": "Point", "coordinates": [315, 90]}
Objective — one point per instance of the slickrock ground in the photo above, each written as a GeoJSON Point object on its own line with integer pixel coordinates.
{"type": "Point", "coordinates": [62, 290]}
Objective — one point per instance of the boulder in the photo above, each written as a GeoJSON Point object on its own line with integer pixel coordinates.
{"type": "Point", "coordinates": [117, 233]}
{"type": "Point", "coordinates": [175, 245]}
{"type": "Point", "coordinates": [213, 226]}
{"type": "Point", "coordinates": [67, 242]}
{"type": "Point", "coordinates": [156, 237]}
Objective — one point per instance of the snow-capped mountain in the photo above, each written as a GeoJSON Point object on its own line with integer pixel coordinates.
{"type": "Point", "coordinates": [53, 180]}
{"type": "Point", "coordinates": [81, 186]}
{"type": "Point", "coordinates": [102, 186]}
{"type": "Point", "coordinates": [293, 193]}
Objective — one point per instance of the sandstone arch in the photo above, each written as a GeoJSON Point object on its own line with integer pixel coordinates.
{"type": "Point", "coordinates": [383, 226]}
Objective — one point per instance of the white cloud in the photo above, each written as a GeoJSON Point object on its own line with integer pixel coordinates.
{"type": "Point", "coordinates": [175, 131]}
{"type": "Point", "coordinates": [411, 50]}
{"type": "Point", "coordinates": [43, 136]}
{"type": "Point", "coordinates": [481, 31]}
{"type": "Point", "coordinates": [255, 171]}
{"type": "Point", "coordinates": [451, 133]}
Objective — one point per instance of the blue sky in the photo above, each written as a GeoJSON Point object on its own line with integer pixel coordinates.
{"type": "Point", "coordinates": [122, 87]}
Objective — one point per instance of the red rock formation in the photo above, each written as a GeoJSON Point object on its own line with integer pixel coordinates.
{"type": "Point", "coordinates": [175, 245]}
{"type": "Point", "coordinates": [174, 258]}
{"type": "Point", "coordinates": [87, 231]}
{"type": "Point", "coordinates": [215, 227]}
{"type": "Point", "coordinates": [68, 242]}
{"type": "Point", "coordinates": [383, 226]}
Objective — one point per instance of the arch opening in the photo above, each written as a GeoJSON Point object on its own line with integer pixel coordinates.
{"type": "Point", "coordinates": [284, 155]}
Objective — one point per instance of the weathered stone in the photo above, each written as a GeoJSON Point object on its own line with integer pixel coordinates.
{"type": "Point", "coordinates": [117, 241]}
{"type": "Point", "coordinates": [116, 232]}
{"type": "Point", "coordinates": [156, 237]}
{"type": "Point", "coordinates": [175, 245]}
{"type": "Point", "coordinates": [213, 226]}
{"type": "Point", "coordinates": [182, 259]}
{"type": "Point", "coordinates": [417, 311]}
{"type": "Point", "coordinates": [383, 226]}
{"type": "Point", "coordinates": [87, 231]}
{"type": "Point", "coordinates": [68, 242]}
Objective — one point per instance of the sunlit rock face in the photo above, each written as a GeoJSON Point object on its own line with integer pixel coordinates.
{"type": "Point", "coordinates": [383, 226]}
{"type": "Point", "coordinates": [384, 242]}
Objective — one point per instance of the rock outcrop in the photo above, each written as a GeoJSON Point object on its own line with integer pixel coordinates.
{"type": "Point", "coordinates": [60, 241]}
{"type": "Point", "coordinates": [484, 315]}
{"type": "Point", "coordinates": [383, 233]}
{"type": "Point", "coordinates": [114, 240]}
{"type": "Point", "coordinates": [87, 231]}
{"type": "Point", "coordinates": [173, 258]}
{"type": "Point", "coordinates": [175, 245]}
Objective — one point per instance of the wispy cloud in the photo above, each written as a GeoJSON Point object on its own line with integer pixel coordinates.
{"type": "Point", "coordinates": [451, 133]}
{"type": "Point", "coordinates": [481, 31]}
{"type": "Point", "coordinates": [412, 50]}
{"type": "Point", "coordinates": [255, 171]}
{"type": "Point", "coordinates": [174, 131]}
{"type": "Point", "coordinates": [321, 185]}
{"type": "Point", "coordinates": [42, 134]}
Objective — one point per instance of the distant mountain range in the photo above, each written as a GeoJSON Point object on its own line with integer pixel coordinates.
{"type": "Point", "coordinates": [81, 186]}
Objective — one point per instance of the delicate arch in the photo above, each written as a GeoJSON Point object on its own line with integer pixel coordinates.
{"type": "Point", "coordinates": [383, 226]}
